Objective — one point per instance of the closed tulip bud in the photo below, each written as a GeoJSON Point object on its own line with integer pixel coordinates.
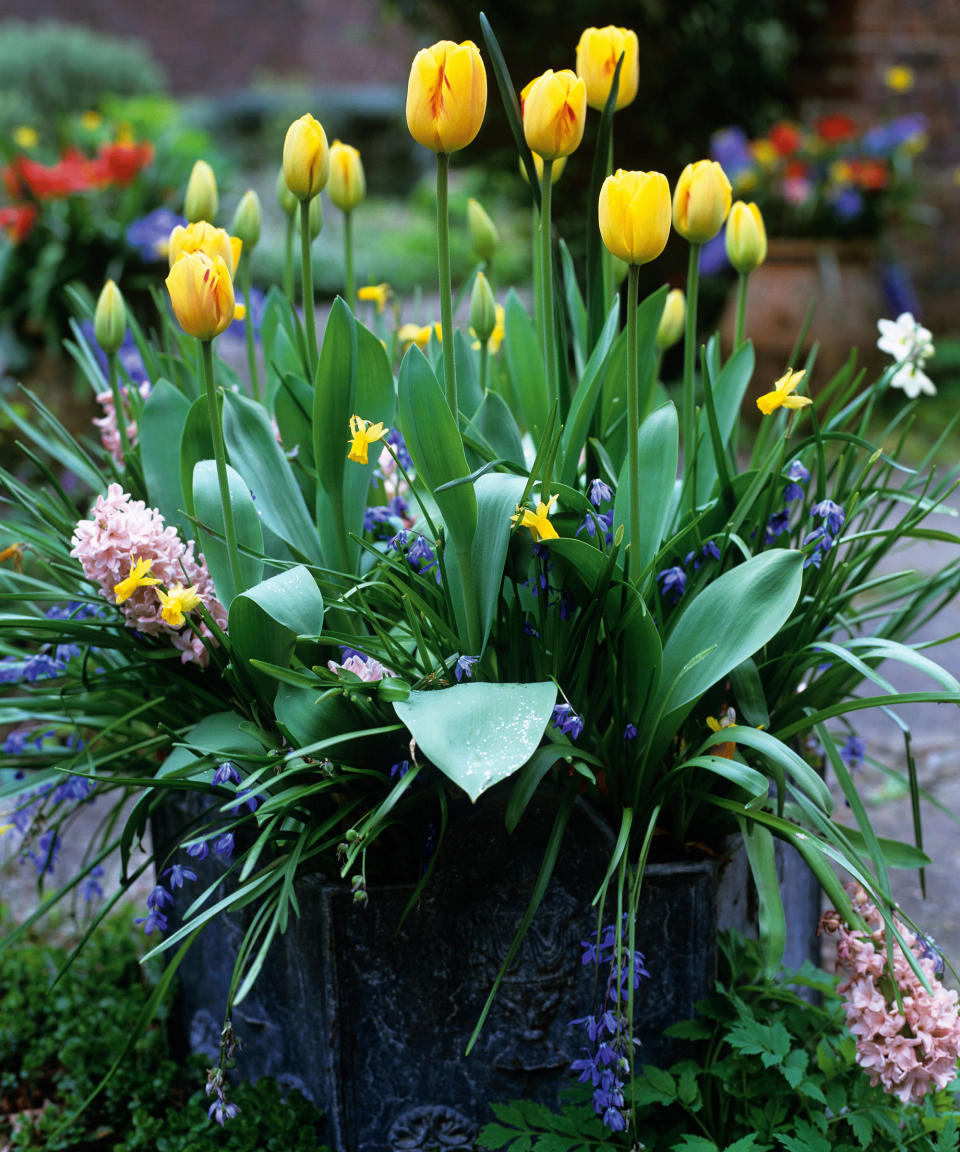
{"type": "Point", "coordinates": [597, 55]}
{"type": "Point", "coordinates": [285, 198]}
{"type": "Point", "coordinates": [672, 321]}
{"type": "Point", "coordinates": [634, 213]}
{"type": "Point", "coordinates": [701, 201]}
{"type": "Point", "coordinates": [247, 218]}
{"type": "Point", "coordinates": [110, 319]}
{"type": "Point", "coordinates": [201, 292]}
{"type": "Point", "coordinates": [315, 216]}
{"type": "Point", "coordinates": [555, 173]}
{"type": "Point", "coordinates": [746, 237]}
{"type": "Point", "coordinates": [483, 309]}
{"type": "Point", "coordinates": [554, 111]}
{"type": "Point", "coordinates": [483, 231]}
{"type": "Point", "coordinates": [446, 96]}
{"type": "Point", "coordinates": [203, 237]}
{"type": "Point", "coordinates": [348, 185]}
{"type": "Point", "coordinates": [201, 201]}
{"type": "Point", "coordinates": [306, 157]}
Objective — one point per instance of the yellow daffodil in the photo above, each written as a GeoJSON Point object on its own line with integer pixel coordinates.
{"type": "Point", "coordinates": [417, 334]}
{"type": "Point", "coordinates": [538, 522]}
{"type": "Point", "coordinates": [139, 578]}
{"type": "Point", "coordinates": [781, 396]}
{"type": "Point", "coordinates": [364, 434]}
{"type": "Point", "coordinates": [13, 553]}
{"type": "Point", "coordinates": [727, 719]}
{"type": "Point", "coordinates": [446, 95]}
{"type": "Point", "coordinates": [177, 601]}
{"type": "Point", "coordinates": [379, 294]}
{"type": "Point", "coordinates": [201, 292]}
{"type": "Point", "coordinates": [25, 136]}
{"type": "Point", "coordinates": [203, 237]}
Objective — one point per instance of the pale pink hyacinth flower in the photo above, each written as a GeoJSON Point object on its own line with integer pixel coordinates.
{"type": "Point", "coordinates": [107, 423]}
{"type": "Point", "coordinates": [910, 1052]}
{"type": "Point", "coordinates": [120, 530]}
{"type": "Point", "coordinates": [368, 669]}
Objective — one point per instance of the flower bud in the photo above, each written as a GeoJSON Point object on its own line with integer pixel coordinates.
{"type": "Point", "coordinates": [285, 198]}
{"type": "Point", "coordinates": [446, 96]}
{"type": "Point", "coordinates": [203, 237]}
{"type": "Point", "coordinates": [201, 292]}
{"type": "Point", "coordinates": [348, 185]}
{"type": "Point", "coordinates": [483, 309]}
{"type": "Point", "coordinates": [554, 110]}
{"type": "Point", "coordinates": [306, 157]}
{"type": "Point", "coordinates": [110, 319]}
{"type": "Point", "coordinates": [555, 173]}
{"type": "Point", "coordinates": [701, 201]}
{"type": "Point", "coordinates": [201, 201]}
{"type": "Point", "coordinates": [634, 212]}
{"type": "Point", "coordinates": [483, 231]}
{"type": "Point", "coordinates": [247, 218]}
{"type": "Point", "coordinates": [672, 321]}
{"type": "Point", "coordinates": [315, 216]}
{"type": "Point", "coordinates": [746, 237]}
{"type": "Point", "coordinates": [597, 55]}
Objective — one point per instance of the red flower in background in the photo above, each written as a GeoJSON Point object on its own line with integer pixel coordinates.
{"type": "Point", "coordinates": [17, 220]}
{"type": "Point", "coordinates": [114, 164]}
{"type": "Point", "coordinates": [785, 137]}
{"type": "Point", "coordinates": [836, 129]}
{"type": "Point", "coordinates": [796, 170]}
{"type": "Point", "coordinates": [870, 175]}
{"type": "Point", "coordinates": [120, 163]}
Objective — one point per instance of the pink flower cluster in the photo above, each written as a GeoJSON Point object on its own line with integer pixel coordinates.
{"type": "Point", "coordinates": [910, 1052]}
{"type": "Point", "coordinates": [368, 669]}
{"type": "Point", "coordinates": [107, 423]}
{"type": "Point", "coordinates": [121, 530]}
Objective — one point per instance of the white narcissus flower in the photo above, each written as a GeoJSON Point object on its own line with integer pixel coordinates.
{"type": "Point", "coordinates": [904, 338]}
{"type": "Point", "coordinates": [913, 380]}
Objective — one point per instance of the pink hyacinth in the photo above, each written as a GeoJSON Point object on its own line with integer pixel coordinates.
{"type": "Point", "coordinates": [365, 667]}
{"type": "Point", "coordinates": [120, 530]}
{"type": "Point", "coordinates": [910, 1052]}
{"type": "Point", "coordinates": [107, 423]}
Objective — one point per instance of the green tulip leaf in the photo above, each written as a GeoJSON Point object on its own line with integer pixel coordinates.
{"type": "Point", "coordinates": [659, 451]}
{"type": "Point", "coordinates": [246, 522]}
{"type": "Point", "coordinates": [525, 370]}
{"type": "Point", "coordinates": [479, 734]}
{"type": "Point", "coordinates": [161, 430]}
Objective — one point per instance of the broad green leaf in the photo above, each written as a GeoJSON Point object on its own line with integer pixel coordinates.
{"type": "Point", "coordinates": [209, 511]}
{"type": "Point", "coordinates": [494, 421]}
{"type": "Point", "coordinates": [528, 380]}
{"type": "Point", "coordinates": [469, 394]}
{"type": "Point", "coordinates": [479, 734]}
{"type": "Point", "coordinates": [659, 449]}
{"type": "Point", "coordinates": [576, 309]}
{"type": "Point", "coordinates": [161, 429]}
{"type": "Point", "coordinates": [196, 444]}
{"type": "Point", "coordinates": [221, 735]}
{"type": "Point", "coordinates": [293, 408]}
{"type": "Point", "coordinates": [333, 398]}
{"type": "Point", "coordinates": [577, 424]}
{"type": "Point", "coordinates": [771, 921]}
{"type": "Point", "coordinates": [728, 392]}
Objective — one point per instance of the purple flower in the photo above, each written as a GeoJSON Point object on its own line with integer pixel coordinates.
{"type": "Point", "coordinates": [852, 753]}
{"type": "Point", "coordinates": [199, 850]}
{"type": "Point", "coordinates": [529, 629]}
{"type": "Point", "coordinates": [178, 873]}
{"type": "Point", "coordinates": [90, 886]}
{"type": "Point", "coordinates": [567, 720]}
{"type": "Point", "coordinates": [398, 444]}
{"type": "Point", "coordinates": [846, 202]}
{"type": "Point", "coordinates": [223, 845]}
{"type": "Point", "coordinates": [226, 772]}
{"type": "Point", "coordinates": [464, 667]}
{"type": "Point", "coordinates": [76, 788]}
{"type": "Point", "coordinates": [49, 845]}
{"type": "Point", "coordinates": [158, 898]}
{"type": "Point", "coordinates": [222, 1109]}
{"type": "Point", "coordinates": [600, 493]}
{"type": "Point", "coordinates": [778, 523]}
{"type": "Point", "coordinates": [832, 515]}
{"type": "Point", "coordinates": [153, 919]}
{"type": "Point", "coordinates": [630, 732]}
{"type": "Point", "coordinates": [673, 581]}
{"type": "Point", "coordinates": [16, 742]}
{"type": "Point", "coordinates": [149, 234]}
{"type": "Point", "coordinates": [245, 796]}
{"type": "Point", "coordinates": [399, 770]}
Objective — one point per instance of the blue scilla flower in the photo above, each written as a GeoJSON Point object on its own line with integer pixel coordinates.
{"type": "Point", "coordinates": [831, 514]}
{"type": "Point", "coordinates": [567, 720]}
{"type": "Point", "coordinates": [90, 886]}
{"type": "Point", "coordinates": [600, 493]}
{"type": "Point", "coordinates": [396, 441]}
{"type": "Point", "coordinates": [153, 919]}
{"type": "Point", "coordinates": [245, 796]}
{"type": "Point", "coordinates": [630, 732]}
{"type": "Point", "coordinates": [178, 873]}
{"type": "Point", "coordinates": [159, 897]}
{"type": "Point", "coordinates": [778, 523]}
{"type": "Point", "coordinates": [223, 845]}
{"type": "Point", "coordinates": [852, 752]}
{"type": "Point", "coordinates": [150, 234]}
{"type": "Point", "coordinates": [226, 773]}
{"type": "Point", "coordinates": [673, 582]}
{"type": "Point", "coordinates": [464, 667]}
{"type": "Point", "coordinates": [797, 475]}
{"type": "Point", "coordinates": [399, 770]}
{"type": "Point", "coordinates": [77, 788]}
{"type": "Point", "coordinates": [199, 850]}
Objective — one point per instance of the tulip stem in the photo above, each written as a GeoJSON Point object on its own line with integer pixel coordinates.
{"type": "Point", "coordinates": [546, 273]}
{"type": "Point", "coordinates": [689, 360]}
{"type": "Point", "coordinates": [535, 262]}
{"type": "Point", "coordinates": [348, 260]}
{"type": "Point", "coordinates": [220, 455]}
{"type": "Point", "coordinates": [741, 310]}
{"type": "Point", "coordinates": [288, 261]}
{"type": "Point", "coordinates": [446, 285]}
{"type": "Point", "coordinates": [306, 266]}
{"type": "Point", "coordinates": [118, 407]}
{"type": "Point", "coordinates": [633, 421]}
{"type": "Point", "coordinates": [248, 327]}
{"type": "Point", "coordinates": [484, 358]}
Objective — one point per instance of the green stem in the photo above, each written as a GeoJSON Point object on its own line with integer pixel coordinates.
{"type": "Point", "coordinates": [484, 358]}
{"type": "Point", "coordinates": [220, 454]}
{"type": "Point", "coordinates": [351, 286]}
{"type": "Point", "coordinates": [535, 262]}
{"type": "Point", "coordinates": [741, 310]}
{"type": "Point", "coordinates": [118, 407]}
{"type": "Point", "coordinates": [306, 266]}
{"type": "Point", "coordinates": [633, 420]}
{"type": "Point", "coordinates": [546, 271]}
{"type": "Point", "coordinates": [689, 360]}
{"type": "Point", "coordinates": [607, 266]}
{"type": "Point", "coordinates": [288, 261]}
{"type": "Point", "coordinates": [248, 328]}
{"type": "Point", "coordinates": [446, 287]}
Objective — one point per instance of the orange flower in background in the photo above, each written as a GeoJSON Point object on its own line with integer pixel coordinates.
{"type": "Point", "coordinates": [17, 221]}
{"type": "Point", "coordinates": [785, 137]}
{"type": "Point", "coordinates": [870, 175]}
{"type": "Point", "coordinates": [120, 164]}
{"type": "Point", "coordinates": [836, 128]}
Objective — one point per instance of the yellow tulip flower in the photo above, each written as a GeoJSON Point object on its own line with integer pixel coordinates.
{"type": "Point", "coordinates": [446, 96]}
{"type": "Point", "coordinates": [701, 201]}
{"type": "Point", "coordinates": [306, 157]}
{"type": "Point", "coordinates": [348, 185]}
{"type": "Point", "coordinates": [746, 237]}
{"type": "Point", "coordinates": [597, 55]}
{"type": "Point", "coordinates": [204, 237]}
{"type": "Point", "coordinates": [201, 292]}
{"type": "Point", "coordinates": [554, 110]}
{"type": "Point", "coordinates": [634, 213]}
{"type": "Point", "coordinates": [781, 396]}
{"type": "Point", "coordinates": [671, 324]}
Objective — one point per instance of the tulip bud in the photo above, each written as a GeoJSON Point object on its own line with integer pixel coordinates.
{"type": "Point", "coordinates": [483, 231]}
{"type": "Point", "coordinates": [446, 96]}
{"type": "Point", "coordinates": [555, 173]}
{"type": "Point", "coordinates": [634, 213]}
{"type": "Point", "coordinates": [315, 216]}
{"type": "Point", "coordinates": [246, 220]}
{"type": "Point", "coordinates": [306, 157]}
{"type": "Point", "coordinates": [285, 198]}
{"type": "Point", "coordinates": [483, 309]}
{"type": "Point", "coordinates": [746, 237]}
{"type": "Point", "coordinates": [597, 55]}
{"type": "Point", "coordinates": [110, 319]}
{"type": "Point", "coordinates": [201, 201]}
{"type": "Point", "coordinates": [554, 111]}
{"type": "Point", "coordinates": [701, 201]}
{"type": "Point", "coordinates": [348, 185]}
{"type": "Point", "coordinates": [201, 292]}
{"type": "Point", "coordinates": [672, 321]}
{"type": "Point", "coordinates": [203, 237]}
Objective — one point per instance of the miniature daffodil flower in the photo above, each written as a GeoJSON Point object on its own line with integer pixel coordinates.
{"type": "Point", "coordinates": [538, 522]}
{"type": "Point", "coordinates": [25, 136]}
{"type": "Point", "coordinates": [378, 294]}
{"type": "Point", "coordinates": [364, 434]}
{"type": "Point", "coordinates": [415, 334]}
{"type": "Point", "coordinates": [781, 396]}
{"type": "Point", "coordinates": [177, 601]}
{"type": "Point", "coordinates": [728, 719]}
{"type": "Point", "coordinates": [139, 577]}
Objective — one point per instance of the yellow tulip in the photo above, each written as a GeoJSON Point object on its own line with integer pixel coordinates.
{"type": "Point", "coordinates": [701, 201]}
{"type": "Point", "coordinates": [634, 215]}
{"type": "Point", "coordinates": [597, 55]}
{"type": "Point", "coordinates": [746, 237]}
{"type": "Point", "coordinates": [446, 95]}
{"type": "Point", "coordinates": [348, 185]}
{"type": "Point", "coordinates": [671, 324]}
{"type": "Point", "coordinates": [306, 157]}
{"type": "Point", "coordinates": [201, 201]}
{"type": "Point", "coordinates": [203, 237]}
{"type": "Point", "coordinates": [110, 319]}
{"type": "Point", "coordinates": [201, 292]}
{"type": "Point", "coordinates": [554, 110]}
